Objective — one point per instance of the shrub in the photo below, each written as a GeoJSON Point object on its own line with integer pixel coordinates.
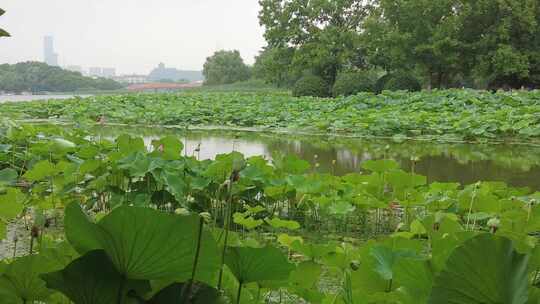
{"type": "Point", "coordinates": [398, 81]}
{"type": "Point", "coordinates": [310, 86]}
{"type": "Point", "coordinates": [351, 83]}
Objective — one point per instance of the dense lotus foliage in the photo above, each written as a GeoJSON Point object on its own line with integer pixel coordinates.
{"type": "Point", "coordinates": [121, 221]}
{"type": "Point", "coordinates": [443, 115]}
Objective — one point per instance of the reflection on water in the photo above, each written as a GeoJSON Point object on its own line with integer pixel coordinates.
{"type": "Point", "coordinates": [517, 165]}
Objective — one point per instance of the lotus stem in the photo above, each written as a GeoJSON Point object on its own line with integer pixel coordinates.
{"type": "Point", "coordinates": [120, 297]}
{"type": "Point", "coordinates": [473, 196]}
{"type": "Point", "coordinates": [239, 293]}
{"type": "Point", "coordinates": [186, 292]}
{"type": "Point", "coordinates": [228, 216]}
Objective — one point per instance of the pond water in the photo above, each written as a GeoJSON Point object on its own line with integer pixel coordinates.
{"type": "Point", "coordinates": [28, 97]}
{"type": "Point", "coordinates": [517, 165]}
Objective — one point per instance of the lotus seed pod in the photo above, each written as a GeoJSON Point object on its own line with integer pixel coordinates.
{"type": "Point", "coordinates": [206, 216]}
{"type": "Point", "coordinates": [333, 162]}
{"type": "Point", "coordinates": [34, 232]}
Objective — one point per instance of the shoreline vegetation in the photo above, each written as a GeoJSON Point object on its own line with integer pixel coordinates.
{"type": "Point", "coordinates": [448, 115]}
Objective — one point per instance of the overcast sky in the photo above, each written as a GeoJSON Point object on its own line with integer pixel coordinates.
{"type": "Point", "coordinates": [132, 36]}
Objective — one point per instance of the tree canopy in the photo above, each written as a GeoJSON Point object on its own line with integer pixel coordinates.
{"type": "Point", "coordinates": [40, 77]}
{"type": "Point", "coordinates": [320, 37]}
{"type": "Point", "coordinates": [225, 67]}
{"type": "Point", "coordinates": [446, 43]}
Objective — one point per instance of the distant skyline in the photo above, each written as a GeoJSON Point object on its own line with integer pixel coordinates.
{"type": "Point", "coordinates": [133, 36]}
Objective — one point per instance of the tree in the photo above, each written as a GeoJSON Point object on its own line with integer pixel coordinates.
{"type": "Point", "coordinates": [323, 36]}
{"type": "Point", "coordinates": [225, 67]}
{"type": "Point", "coordinates": [405, 35]}
{"type": "Point", "coordinates": [3, 33]}
{"type": "Point", "coordinates": [500, 41]}
{"type": "Point", "coordinates": [273, 65]}
{"type": "Point", "coordinates": [38, 77]}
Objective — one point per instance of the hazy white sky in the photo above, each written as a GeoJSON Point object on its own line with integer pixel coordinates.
{"type": "Point", "coordinates": [131, 35]}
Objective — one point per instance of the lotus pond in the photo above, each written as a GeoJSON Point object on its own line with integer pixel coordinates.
{"type": "Point", "coordinates": [465, 163]}
{"type": "Point", "coordinates": [109, 215]}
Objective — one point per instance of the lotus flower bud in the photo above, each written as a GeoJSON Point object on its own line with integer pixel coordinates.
{"type": "Point", "coordinates": [206, 216]}
{"type": "Point", "coordinates": [181, 211]}
{"type": "Point", "coordinates": [494, 224]}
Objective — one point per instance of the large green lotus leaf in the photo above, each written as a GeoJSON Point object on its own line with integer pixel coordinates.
{"type": "Point", "coordinates": [224, 165]}
{"type": "Point", "coordinates": [415, 277]}
{"type": "Point", "coordinates": [8, 177]}
{"type": "Point", "coordinates": [290, 163]}
{"type": "Point", "coordinates": [306, 275]}
{"type": "Point", "coordinates": [443, 244]}
{"type": "Point", "coordinates": [386, 257]}
{"type": "Point", "coordinates": [82, 234]}
{"type": "Point", "coordinates": [174, 294]}
{"type": "Point", "coordinates": [279, 223]}
{"type": "Point", "coordinates": [127, 144]}
{"type": "Point", "coordinates": [92, 279]}
{"type": "Point", "coordinates": [248, 222]}
{"type": "Point", "coordinates": [170, 147]}
{"type": "Point", "coordinates": [40, 170]}
{"type": "Point", "coordinates": [400, 180]}
{"type": "Point", "coordinates": [147, 244]}
{"type": "Point", "coordinates": [380, 166]}
{"type": "Point", "coordinates": [258, 264]}
{"type": "Point", "coordinates": [176, 185]}
{"type": "Point", "coordinates": [485, 269]}
{"type": "Point", "coordinates": [62, 145]}
{"type": "Point", "coordinates": [21, 279]}
{"type": "Point", "coordinates": [137, 164]}
{"type": "Point", "coordinates": [11, 204]}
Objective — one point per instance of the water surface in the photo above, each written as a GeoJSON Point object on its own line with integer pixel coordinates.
{"type": "Point", "coordinates": [517, 165]}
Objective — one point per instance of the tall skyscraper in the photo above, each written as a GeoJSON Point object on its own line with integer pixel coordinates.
{"type": "Point", "coordinates": [49, 56]}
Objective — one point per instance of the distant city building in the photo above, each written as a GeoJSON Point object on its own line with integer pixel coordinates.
{"type": "Point", "coordinates": [131, 79]}
{"type": "Point", "coordinates": [49, 56]}
{"type": "Point", "coordinates": [74, 68]}
{"type": "Point", "coordinates": [95, 72]}
{"type": "Point", "coordinates": [161, 73]}
{"type": "Point", "coordinates": [108, 72]}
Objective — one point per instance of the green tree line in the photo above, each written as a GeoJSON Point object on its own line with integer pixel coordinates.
{"type": "Point", "coordinates": [443, 43]}
{"type": "Point", "coordinates": [40, 77]}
